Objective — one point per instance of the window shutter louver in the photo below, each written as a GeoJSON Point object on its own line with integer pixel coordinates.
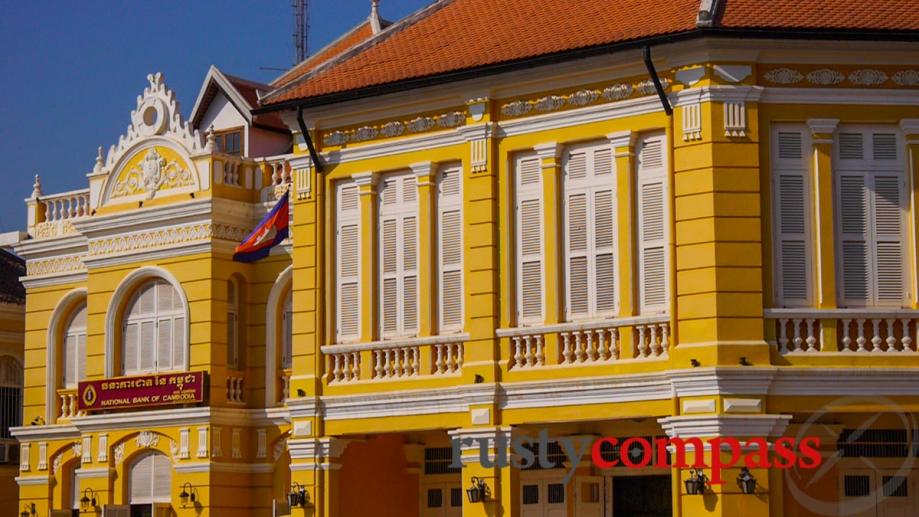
{"type": "Point", "coordinates": [871, 210]}
{"type": "Point", "coordinates": [162, 478]}
{"type": "Point", "coordinates": [81, 358]}
{"type": "Point", "coordinates": [147, 346]}
{"type": "Point", "coordinates": [164, 342]}
{"type": "Point", "coordinates": [348, 262]}
{"type": "Point", "coordinates": [529, 240]}
{"type": "Point", "coordinates": [70, 360]}
{"type": "Point", "coordinates": [154, 331]}
{"type": "Point", "coordinates": [287, 340]}
{"type": "Point", "coordinates": [589, 232]}
{"type": "Point", "coordinates": [398, 253]}
{"type": "Point", "coordinates": [450, 246]}
{"type": "Point", "coordinates": [792, 227]}
{"type": "Point", "coordinates": [131, 337]}
{"type": "Point", "coordinates": [652, 224]}
{"type": "Point", "coordinates": [142, 480]}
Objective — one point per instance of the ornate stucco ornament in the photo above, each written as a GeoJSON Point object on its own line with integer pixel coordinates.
{"type": "Point", "coordinates": [152, 174]}
{"type": "Point", "coordinates": [583, 97]}
{"type": "Point", "coordinates": [907, 78]}
{"type": "Point", "coordinates": [617, 91]}
{"type": "Point", "coordinates": [147, 439]}
{"type": "Point", "coordinates": [867, 77]}
{"type": "Point", "coordinates": [825, 76]}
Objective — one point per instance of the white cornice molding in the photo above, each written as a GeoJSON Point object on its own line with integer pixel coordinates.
{"type": "Point", "coordinates": [815, 381]}
{"type": "Point", "coordinates": [222, 466]}
{"type": "Point", "coordinates": [406, 145]}
{"type": "Point", "coordinates": [909, 126]}
{"type": "Point", "coordinates": [724, 425]}
{"type": "Point", "coordinates": [587, 390]}
{"type": "Point", "coordinates": [39, 248]}
{"type": "Point", "coordinates": [32, 433]}
{"type": "Point", "coordinates": [32, 480]}
{"type": "Point", "coordinates": [165, 418]}
{"type": "Point", "coordinates": [822, 125]}
{"type": "Point", "coordinates": [51, 280]}
{"type": "Point", "coordinates": [874, 96]}
{"type": "Point", "coordinates": [717, 93]}
{"type": "Point", "coordinates": [721, 381]}
{"type": "Point", "coordinates": [579, 116]}
{"type": "Point", "coordinates": [98, 472]}
{"type": "Point", "coordinates": [548, 150]}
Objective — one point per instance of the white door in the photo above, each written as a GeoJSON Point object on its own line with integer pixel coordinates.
{"type": "Point", "coordinates": [542, 495]}
{"type": "Point", "coordinates": [442, 500]}
{"type": "Point", "coordinates": [588, 496]}
{"type": "Point", "coordinates": [878, 493]}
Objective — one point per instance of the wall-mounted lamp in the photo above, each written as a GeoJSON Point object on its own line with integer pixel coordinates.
{"type": "Point", "coordinates": [88, 500]}
{"type": "Point", "coordinates": [695, 483]}
{"type": "Point", "coordinates": [298, 496]}
{"type": "Point", "coordinates": [28, 510]}
{"type": "Point", "coordinates": [746, 481]}
{"type": "Point", "coordinates": [188, 494]}
{"type": "Point", "coordinates": [477, 492]}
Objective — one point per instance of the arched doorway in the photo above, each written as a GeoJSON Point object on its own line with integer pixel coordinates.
{"type": "Point", "coordinates": [149, 484]}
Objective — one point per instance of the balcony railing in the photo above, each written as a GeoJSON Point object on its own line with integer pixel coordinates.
{"type": "Point", "coordinates": [394, 359]}
{"type": "Point", "coordinates": [236, 388]}
{"type": "Point", "coordinates": [844, 330]}
{"type": "Point", "coordinates": [67, 402]}
{"type": "Point", "coordinates": [54, 213]}
{"type": "Point", "coordinates": [638, 338]}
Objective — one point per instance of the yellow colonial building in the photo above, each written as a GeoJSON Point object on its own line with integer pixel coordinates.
{"type": "Point", "coordinates": [576, 219]}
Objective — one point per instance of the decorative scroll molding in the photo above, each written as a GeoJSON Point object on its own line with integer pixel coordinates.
{"type": "Point", "coordinates": [825, 76]}
{"type": "Point", "coordinates": [863, 77]}
{"type": "Point", "coordinates": [77, 449]}
{"type": "Point", "coordinates": [56, 265]}
{"type": "Point", "coordinates": [152, 174]}
{"type": "Point", "coordinates": [279, 447]}
{"type": "Point", "coordinates": [783, 76]}
{"type": "Point", "coordinates": [52, 229]}
{"type": "Point", "coordinates": [165, 237]}
{"type": "Point", "coordinates": [119, 453]}
{"type": "Point", "coordinates": [579, 98]}
{"type": "Point", "coordinates": [56, 464]}
{"type": "Point", "coordinates": [394, 128]}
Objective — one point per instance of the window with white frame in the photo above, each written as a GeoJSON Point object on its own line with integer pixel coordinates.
{"type": "Point", "coordinates": [348, 262]}
{"type": "Point", "coordinates": [653, 217]}
{"type": "Point", "coordinates": [287, 337]}
{"type": "Point", "coordinates": [150, 479]}
{"type": "Point", "coordinates": [74, 353]}
{"type": "Point", "coordinates": [11, 374]}
{"type": "Point", "coordinates": [233, 325]}
{"type": "Point", "coordinates": [871, 207]}
{"type": "Point", "coordinates": [450, 247]}
{"type": "Point", "coordinates": [589, 209]}
{"type": "Point", "coordinates": [792, 222]}
{"type": "Point", "coordinates": [398, 237]}
{"type": "Point", "coordinates": [529, 238]}
{"type": "Point", "coordinates": [154, 331]}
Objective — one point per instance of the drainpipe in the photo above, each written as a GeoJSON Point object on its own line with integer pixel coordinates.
{"type": "Point", "coordinates": [657, 82]}
{"type": "Point", "coordinates": [314, 156]}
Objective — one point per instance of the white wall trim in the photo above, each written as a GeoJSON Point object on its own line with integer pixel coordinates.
{"type": "Point", "coordinates": [59, 317]}
{"type": "Point", "coordinates": [879, 96]}
{"type": "Point", "coordinates": [272, 310]}
{"type": "Point", "coordinates": [32, 480]}
{"type": "Point", "coordinates": [120, 297]}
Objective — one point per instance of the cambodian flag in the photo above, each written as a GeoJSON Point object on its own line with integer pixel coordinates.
{"type": "Point", "coordinates": [271, 230]}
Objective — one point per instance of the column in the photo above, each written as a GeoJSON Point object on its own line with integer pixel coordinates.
{"type": "Point", "coordinates": [314, 465]}
{"type": "Point", "coordinates": [910, 128]}
{"type": "Point", "coordinates": [623, 144]}
{"type": "Point", "coordinates": [427, 252]}
{"type": "Point", "coordinates": [501, 482]}
{"type": "Point", "coordinates": [824, 224]}
{"type": "Point", "coordinates": [725, 499]}
{"type": "Point", "coordinates": [549, 154]}
{"type": "Point", "coordinates": [367, 182]}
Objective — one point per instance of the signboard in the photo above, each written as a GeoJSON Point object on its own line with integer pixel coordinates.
{"type": "Point", "coordinates": [162, 389]}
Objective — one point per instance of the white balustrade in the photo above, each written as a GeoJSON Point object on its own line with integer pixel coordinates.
{"type": "Point", "coordinates": [857, 330]}
{"type": "Point", "coordinates": [67, 205]}
{"type": "Point", "coordinates": [68, 404]}
{"type": "Point", "coordinates": [236, 390]}
{"type": "Point", "coordinates": [588, 343]}
{"type": "Point", "coordinates": [395, 359]}
{"type": "Point", "coordinates": [284, 378]}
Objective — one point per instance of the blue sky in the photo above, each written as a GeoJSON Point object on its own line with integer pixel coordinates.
{"type": "Point", "coordinates": [71, 71]}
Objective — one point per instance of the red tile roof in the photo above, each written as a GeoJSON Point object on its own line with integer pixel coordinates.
{"type": "Point", "coordinates": [345, 42]}
{"type": "Point", "coordinates": [459, 35]}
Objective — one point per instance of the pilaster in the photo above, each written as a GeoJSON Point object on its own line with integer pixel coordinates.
{"type": "Point", "coordinates": [910, 128]}
{"type": "Point", "coordinates": [424, 174]}
{"type": "Point", "coordinates": [824, 222]}
{"type": "Point", "coordinates": [623, 144]}
{"type": "Point", "coordinates": [314, 465]}
{"type": "Point", "coordinates": [367, 183]}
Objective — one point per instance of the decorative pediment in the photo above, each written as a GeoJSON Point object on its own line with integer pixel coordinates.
{"type": "Point", "coordinates": [152, 170]}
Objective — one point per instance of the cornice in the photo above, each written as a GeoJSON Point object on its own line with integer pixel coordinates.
{"type": "Point", "coordinates": [45, 432]}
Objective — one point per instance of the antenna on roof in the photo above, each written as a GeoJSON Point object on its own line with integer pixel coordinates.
{"type": "Point", "coordinates": [301, 29]}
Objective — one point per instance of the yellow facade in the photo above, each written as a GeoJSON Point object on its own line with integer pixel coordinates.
{"type": "Point", "coordinates": [357, 423]}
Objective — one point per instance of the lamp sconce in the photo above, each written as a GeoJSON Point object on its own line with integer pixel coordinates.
{"type": "Point", "coordinates": [88, 500]}
{"type": "Point", "coordinates": [298, 496]}
{"type": "Point", "coordinates": [28, 510]}
{"type": "Point", "coordinates": [477, 492]}
{"type": "Point", "coordinates": [746, 481]}
{"type": "Point", "coordinates": [189, 494]}
{"type": "Point", "coordinates": [695, 483]}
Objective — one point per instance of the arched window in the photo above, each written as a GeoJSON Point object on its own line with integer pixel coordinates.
{"type": "Point", "coordinates": [150, 480]}
{"type": "Point", "coordinates": [10, 395]}
{"type": "Point", "coordinates": [154, 330]}
{"type": "Point", "coordinates": [287, 332]}
{"type": "Point", "coordinates": [233, 326]}
{"type": "Point", "coordinates": [74, 353]}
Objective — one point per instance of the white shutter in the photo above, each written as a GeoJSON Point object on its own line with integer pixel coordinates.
{"type": "Point", "coordinates": [70, 360]}
{"type": "Point", "coordinates": [74, 352]}
{"type": "Point", "coordinates": [164, 344]}
{"type": "Point", "coordinates": [871, 208]}
{"type": "Point", "coordinates": [348, 260]}
{"type": "Point", "coordinates": [81, 357]}
{"type": "Point", "coordinates": [131, 337]}
{"type": "Point", "coordinates": [179, 342]}
{"type": "Point", "coordinates": [450, 246]}
{"type": "Point", "coordinates": [154, 329]}
{"type": "Point", "coordinates": [162, 478]}
{"type": "Point", "coordinates": [529, 240]}
{"type": "Point", "coordinates": [791, 195]}
{"type": "Point", "coordinates": [398, 256]}
{"type": "Point", "coordinates": [589, 200]}
{"type": "Point", "coordinates": [141, 480]}
{"type": "Point", "coordinates": [147, 345]}
{"type": "Point", "coordinates": [652, 224]}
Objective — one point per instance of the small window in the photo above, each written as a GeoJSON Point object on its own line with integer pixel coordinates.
{"type": "Point", "coordinates": [896, 486]}
{"type": "Point", "coordinates": [857, 486]}
{"type": "Point", "coordinates": [438, 460]}
{"type": "Point", "coordinates": [435, 498]}
{"type": "Point", "coordinates": [530, 494]}
{"type": "Point", "coordinates": [456, 497]}
{"type": "Point", "coordinates": [556, 493]}
{"type": "Point", "coordinates": [228, 142]}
